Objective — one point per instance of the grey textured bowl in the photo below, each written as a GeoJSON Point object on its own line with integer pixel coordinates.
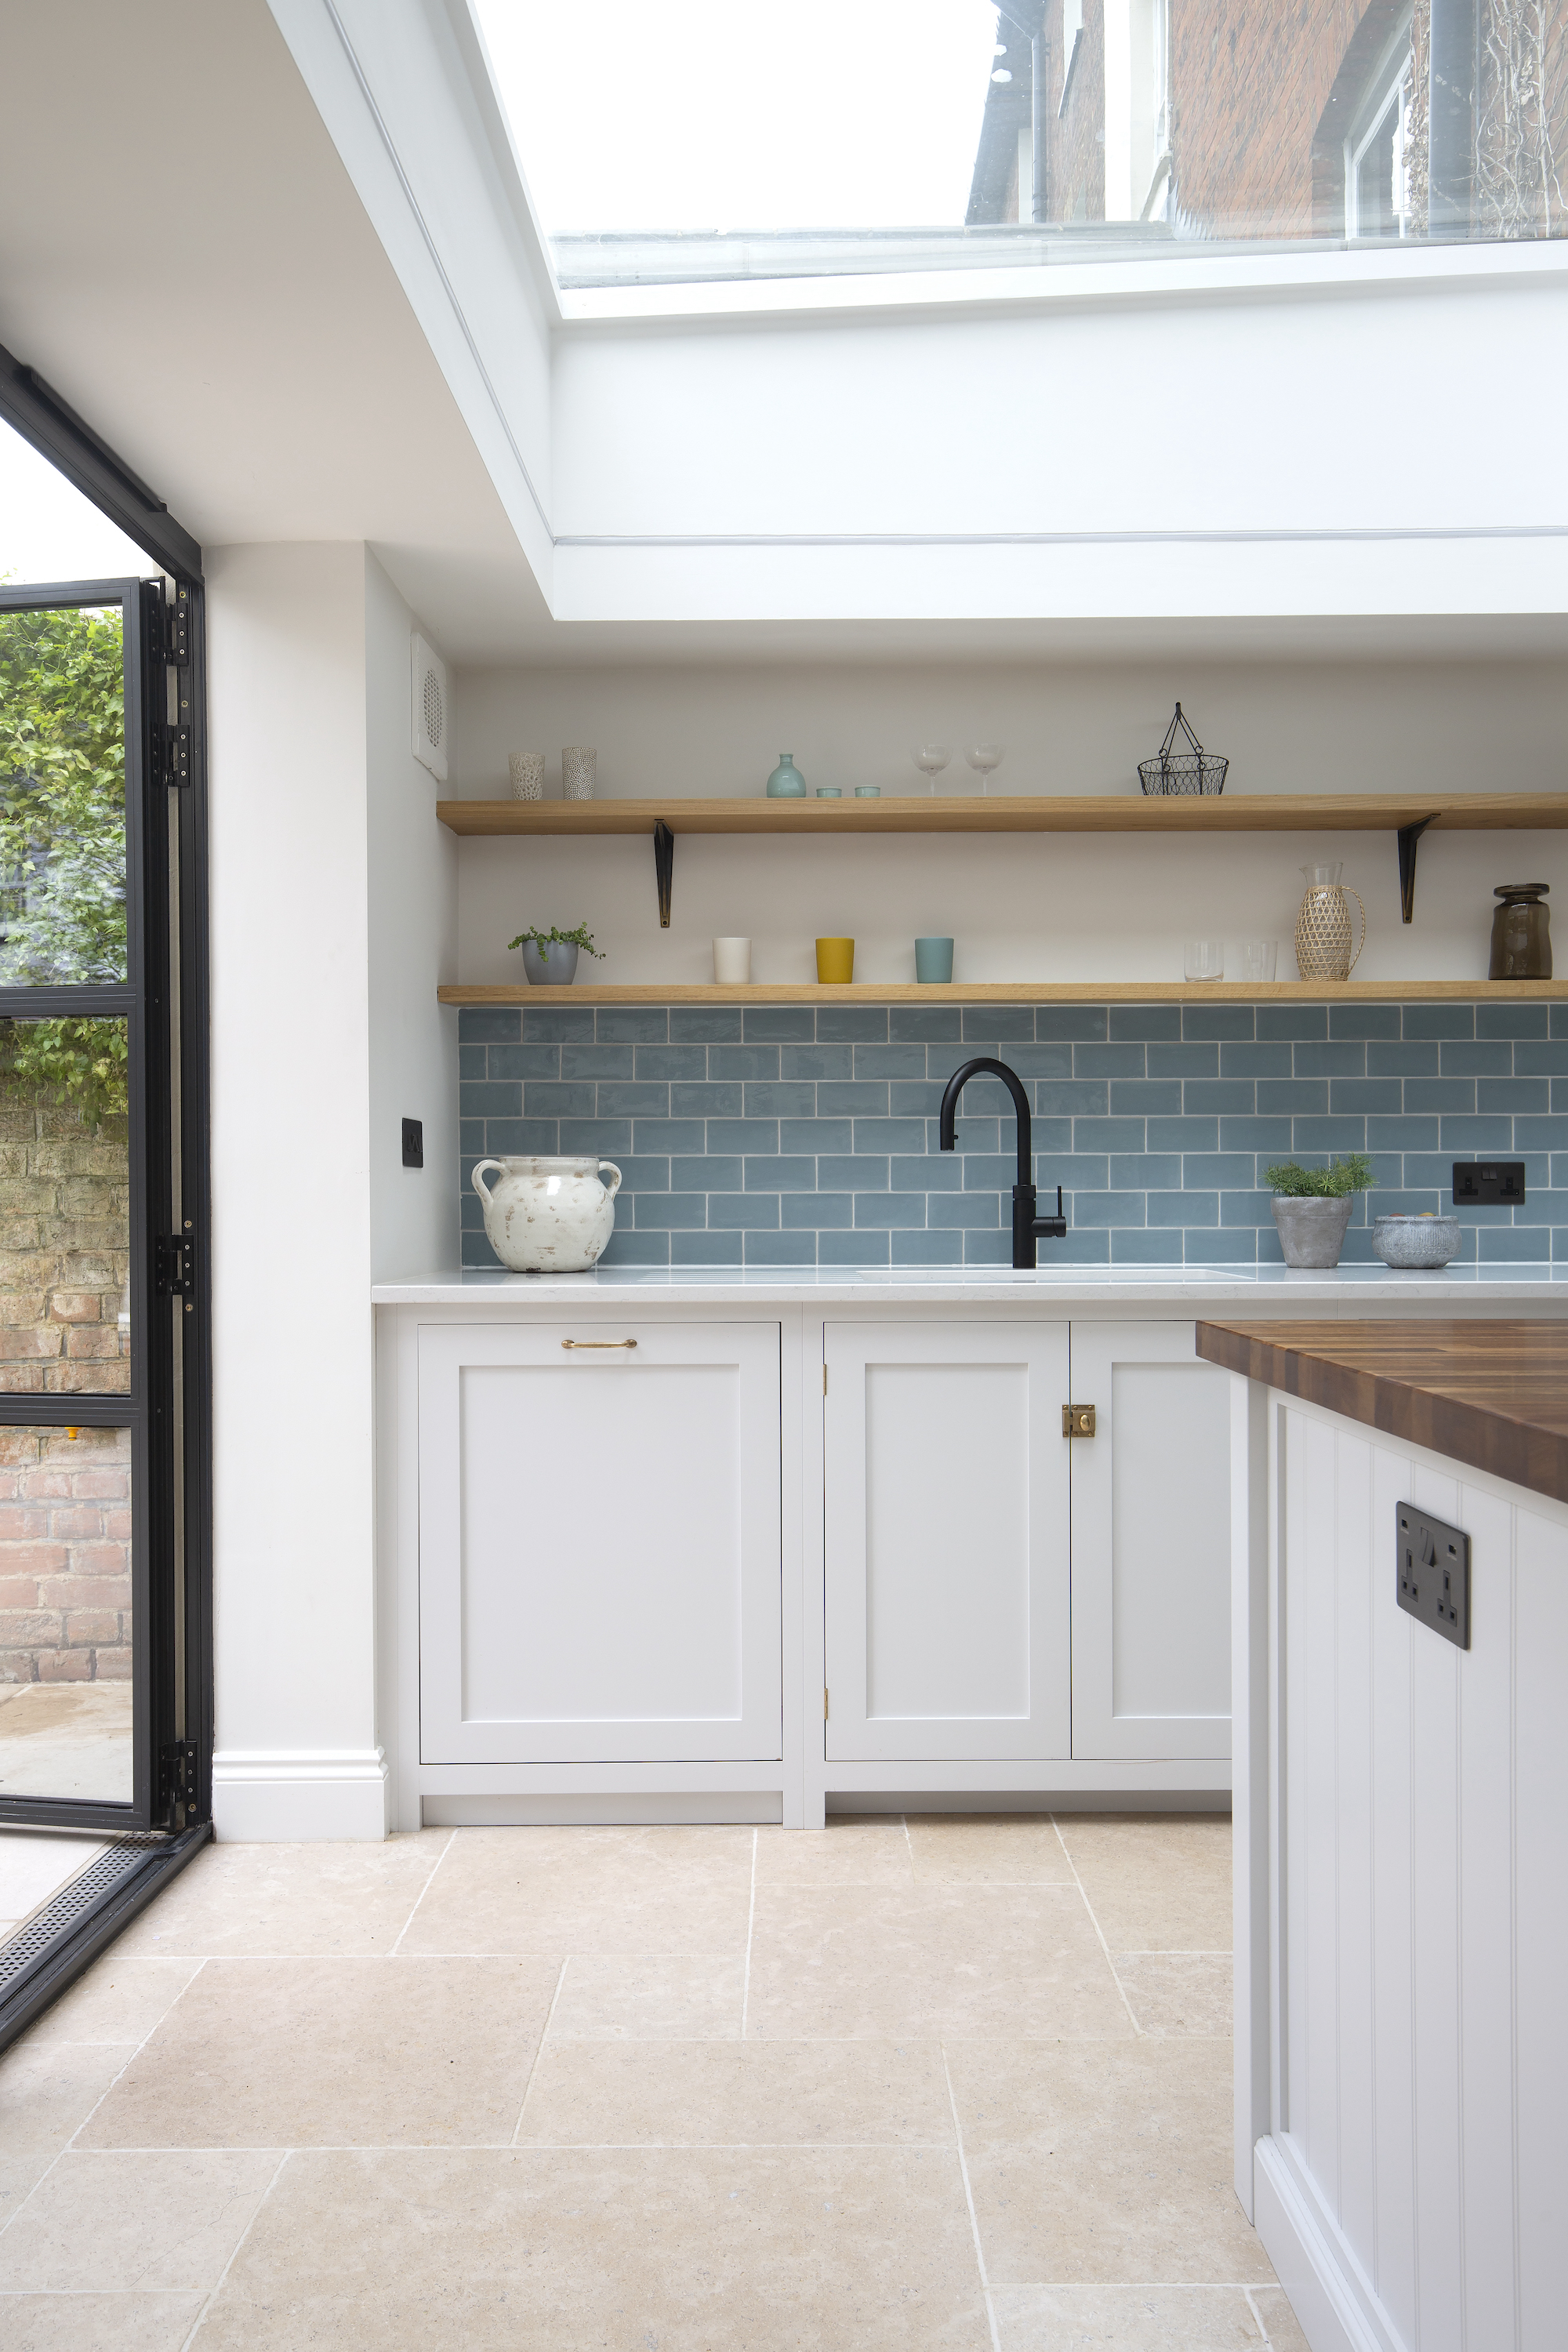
{"type": "Point", "coordinates": [1414, 1241]}
{"type": "Point", "coordinates": [1311, 1230]}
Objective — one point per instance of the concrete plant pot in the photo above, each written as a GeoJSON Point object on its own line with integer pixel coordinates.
{"type": "Point", "coordinates": [552, 967]}
{"type": "Point", "coordinates": [1312, 1231]}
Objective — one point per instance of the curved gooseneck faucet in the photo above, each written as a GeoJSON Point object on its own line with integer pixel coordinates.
{"type": "Point", "coordinates": [1027, 1225]}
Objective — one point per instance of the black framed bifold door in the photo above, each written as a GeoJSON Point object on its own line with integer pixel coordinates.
{"type": "Point", "coordinates": [101, 1686]}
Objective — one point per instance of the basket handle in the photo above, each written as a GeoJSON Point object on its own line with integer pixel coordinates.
{"type": "Point", "coordinates": [1361, 942]}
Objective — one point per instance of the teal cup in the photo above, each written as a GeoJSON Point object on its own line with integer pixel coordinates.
{"type": "Point", "coordinates": [934, 960]}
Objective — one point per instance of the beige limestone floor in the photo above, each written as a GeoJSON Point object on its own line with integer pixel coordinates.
{"type": "Point", "coordinates": [67, 1739]}
{"type": "Point", "coordinates": [35, 1866]}
{"type": "Point", "coordinates": [927, 2086]}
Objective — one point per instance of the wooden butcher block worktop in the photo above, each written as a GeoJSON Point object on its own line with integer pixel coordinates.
{"type": "Point", "coordinates": [1491, 1395]}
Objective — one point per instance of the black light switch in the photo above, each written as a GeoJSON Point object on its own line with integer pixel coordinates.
{"type": "Point", "coordinates": [1434, 1573]}
{"type": "Point", "coordinates": [413, 1143]}
{"type": "Point", "coordinates": [1499, 1182]}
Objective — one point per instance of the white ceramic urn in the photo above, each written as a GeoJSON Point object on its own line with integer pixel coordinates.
{"type": "Point", "coordinates": [548, 1216]}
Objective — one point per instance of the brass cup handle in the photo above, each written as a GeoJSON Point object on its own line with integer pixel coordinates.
{"type": "Point", "coordinates": [598, 1343]}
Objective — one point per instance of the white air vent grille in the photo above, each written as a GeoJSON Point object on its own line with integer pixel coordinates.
{"type": "Point", "coordinates": [430, 710]}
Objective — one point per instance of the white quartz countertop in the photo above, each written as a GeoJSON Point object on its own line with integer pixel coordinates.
{"type": "Point", "coordinates": [1260, 1289]}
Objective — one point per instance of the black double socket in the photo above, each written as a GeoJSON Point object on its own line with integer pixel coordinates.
{"type": "Point", "coordinates": [1499, 1184]}
{"type": "Point", "coordinates": [1433, 1573]}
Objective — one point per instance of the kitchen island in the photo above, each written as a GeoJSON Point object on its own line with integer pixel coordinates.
{"type": "Point", "coordinates": [1400, 1560]}
{"type": "Point", "coordinates": [747, 1545]}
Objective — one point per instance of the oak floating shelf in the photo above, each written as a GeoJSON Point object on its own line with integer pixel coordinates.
{"type": "Point", "coordinates": [1406, 815]}
{"type": "Point", "coordinates": [1021, 991]}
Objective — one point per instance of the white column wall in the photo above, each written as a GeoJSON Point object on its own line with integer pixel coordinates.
{"type": "Point", "coordinates": [291, 1251]}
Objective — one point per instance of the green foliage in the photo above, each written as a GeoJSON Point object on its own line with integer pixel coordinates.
{"type": "Point", "coordinates": [1351, 1174]}
{"type": "Point", "coordinates": [62, 844]}
{"type": "Point", "coordinates": [581, 938]}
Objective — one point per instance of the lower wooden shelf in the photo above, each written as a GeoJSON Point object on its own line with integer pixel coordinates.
{"type": "Point", "coordinates": [1020, 991]}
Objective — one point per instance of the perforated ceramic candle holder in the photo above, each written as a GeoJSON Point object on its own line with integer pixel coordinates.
{"type": "Point", "coordinates": [527, 775]}
{"type": "Point", "coordinates": [579, 772]}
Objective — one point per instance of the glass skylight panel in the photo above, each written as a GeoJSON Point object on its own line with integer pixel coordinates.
{"type": "Point", "coordinates": [679, 141]}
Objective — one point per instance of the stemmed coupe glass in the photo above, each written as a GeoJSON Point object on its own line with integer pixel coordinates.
{"type": "Point", "coordinates": [930, 759]}
{"type": "Point", "coordinates": [986, 759]}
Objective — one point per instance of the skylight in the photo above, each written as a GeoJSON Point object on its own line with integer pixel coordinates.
{"type": "Point", "coordinates": [672, 141]}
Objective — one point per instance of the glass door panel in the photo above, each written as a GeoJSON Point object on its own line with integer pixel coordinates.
{"type": "Point", "coordinates": [66, 1614]}
{"type": "Point", "coordinates": [65, 1207]}
{"type": "Point", "coordinates": [62, 795]}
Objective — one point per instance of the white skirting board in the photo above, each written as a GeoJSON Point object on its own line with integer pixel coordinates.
{"type": "Point", "coordinates": [1335, 2308]}
{"type": "Point", "coordinates": [268, 1796]}
{"type": "Point", "coordinates": [566, 1810]}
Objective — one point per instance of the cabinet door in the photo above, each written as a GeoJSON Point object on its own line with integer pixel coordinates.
{"type": "Point", "coordinates": [599, 1565]}
{"type": "Point", "coordinates": [946, 1541]}
{"type": "Point", "coordinates": [1151, 1546]}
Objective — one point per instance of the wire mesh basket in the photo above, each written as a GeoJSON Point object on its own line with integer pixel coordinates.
{"type": "Point", "coordinates": [1182, 768]}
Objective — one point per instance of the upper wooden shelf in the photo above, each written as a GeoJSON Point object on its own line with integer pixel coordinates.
{"type": "Point", "coordinates": [1017, 991]}
{"type": "Point", "coordinates": [1052, 813]}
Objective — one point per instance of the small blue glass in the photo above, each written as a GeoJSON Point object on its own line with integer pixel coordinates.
{"type": "Point", "coordinates": [933, 961]}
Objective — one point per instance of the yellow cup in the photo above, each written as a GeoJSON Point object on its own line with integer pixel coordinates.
{"type": "Point", "coordinates": [835, 962]}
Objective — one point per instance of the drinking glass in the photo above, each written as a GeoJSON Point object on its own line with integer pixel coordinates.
{"type": "Point", "coordinates": [1203, 959]}
{"type": "Point", "coordinates": [1257, 958]}
{"type": "Point", "coordinates": [986, 759]}
{"type": "Point", "coordinates": [930, 759]}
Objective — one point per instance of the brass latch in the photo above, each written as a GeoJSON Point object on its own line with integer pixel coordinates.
{"type": "Point", "coordinates": [1078, 1420]}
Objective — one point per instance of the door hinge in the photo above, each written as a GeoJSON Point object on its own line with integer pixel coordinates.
{"type": "Point", "coordinates": [172, 631]}
{"type": "Point", "coordinates": [171, 755]}
{"type": "Point", "coordinates": [176, 1265]}
{"type": "Point", "coordinates": [178, 1779]}
{"type": "Point", "coordinates": [1078, 1420]}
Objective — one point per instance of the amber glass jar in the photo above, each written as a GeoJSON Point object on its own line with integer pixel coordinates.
{"type": "Point", "coordinates": [1521, 932]}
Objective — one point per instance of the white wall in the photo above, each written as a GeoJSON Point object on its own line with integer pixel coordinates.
{"type": "Point", "coordinates": [1060, 906]}
{"type": "Point", "coordinates": [413, 947]}
{"type": "Point", "coordinates": [294, 1593]}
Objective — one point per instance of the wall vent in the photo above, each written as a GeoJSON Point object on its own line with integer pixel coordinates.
{"type": "Point", "coordinates": [430, 719]}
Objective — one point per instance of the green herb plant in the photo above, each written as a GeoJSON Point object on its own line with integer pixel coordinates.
{"type": "Point", "coordinates": [62, 847]}
{"type": "Point", "coordinates": [581, 938]}
{"type": "Point", "coordinates": [1294, 1182]}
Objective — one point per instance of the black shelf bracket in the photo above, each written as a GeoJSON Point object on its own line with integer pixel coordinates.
{"type": "Point", "coordinates": [664, 867]}
{"type": "Point", "coordinates": [1409, 835]}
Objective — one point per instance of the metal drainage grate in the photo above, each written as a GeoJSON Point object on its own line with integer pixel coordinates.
{"type": "Point", "coordinates": [64, 1912]}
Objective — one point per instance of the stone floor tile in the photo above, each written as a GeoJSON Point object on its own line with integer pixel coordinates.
{"type": "Point", "coordinates": [120, 1997]}
{"type": "Point", "coordinates": [848, 1853]}
{"type": "Point", "coordinates": [686, 2250]}
{"type": "Point", "coordinates": [47, 2090]}
{"type": "Point", "coordinates": [1280, 2325]}
{"type": "Point", "coordinates": [110, 2222]}
{"type": "Point", "coordinates": [836, 1963]}
{"type": "Point", "coordinates": [777, 2093]}
{"type": "Point", "coordinates": [36, 1863]}
{"type": "Point", "coordinates": [316, 1899]}
{"type": "Point", "coordinates": [1157, 1881]}
{"type": "Point", "coordinates": [632, 1891]}
{"type": "Point", "coordinates": [1007, 1850]}
{"type": "Point", "coordinates": [1104, 2162]}
{"type": "Point", "coordinates": [606, 1998]}
{"type": "Point", "coordinates": [98, 2323]}
{"type": "Point", "coordinates": [1125, 2320]}
{"type": "Point", "coordinates": [1177, 1992]}
{"type": "Point", "coordinates": [303, 2053]}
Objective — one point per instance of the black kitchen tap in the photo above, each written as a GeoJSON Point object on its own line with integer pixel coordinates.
{"type": "Point", "coordinates": [1027, 1225]}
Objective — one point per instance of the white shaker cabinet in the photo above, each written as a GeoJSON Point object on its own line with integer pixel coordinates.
{"type": "Point", "coordinates": [946, 1541]}
{"type": "Point", "coordinates": [1151, 1546]}
{"type": "Point", "coordinates": [599, 1542]}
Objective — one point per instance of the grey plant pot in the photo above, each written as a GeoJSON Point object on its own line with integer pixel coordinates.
{"type": "Point", "coordinates": [1312, 1233]}
{"type": "Point", "coordinates": [553, 968]}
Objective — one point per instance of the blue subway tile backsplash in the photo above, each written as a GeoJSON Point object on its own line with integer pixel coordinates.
{"type": "Point", "coordinates": [806, 1135]}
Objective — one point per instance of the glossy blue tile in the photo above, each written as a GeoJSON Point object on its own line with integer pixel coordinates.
{"type": "Point", "coordinates": [473, 1062]}
{"type": "Point", "coordinates": [1407, 1059]}
{"type": "Point", "coordinates": [1146, 1097]}
{"type": "Point", "coordinates": [544, 1135]}
{"type": "Point", "coordinates": [816, 1061]}
{"type": "Point", "coordinates": [1143, 1172]}
{"type": "Point", "coordinates": [707, 1172]}
{"type": "Point", "coordinates": [952, 1212]}
{"type": "Point", "coordinates": [707, 1249]}
{"type": "Point", "coordinates": [985, 1171]}
{"type": "Point", "coordinates": [1160, 1246]}
{"type": "Point", "coordinates": [1109, 1061]}
{"type": "Point", "coordinates": [471, 1136]}
{"type": "Point", "coordinates": [890, 1135]}
{"type": "Point", "coordinates": [850, 1249]}
{"type": "Point", "coordinates": [1247, 1059]}
{"type": "Point", "coordinates": [781, 1249]}
{"type": "Point", "coordinates": [1511, 1244]}
{"type": "Point", "coordinates": [1365, 1020]}
{"type": "Point", "coordinates": [1483, 1057]}
{"type": "Point", "coordinates": [780, 1175]}
{"type": "Point", "coordinates": [814, 1135]}
{"type": "Point", "coordinates": [781, 1099]}
{"type": "Point", "coordinates": [1002, 1024]}
{"type": "Point", "coordinates": [637, 1249]}
{"type": "Point", "coordinates": [1339, 1057]}
{"type": "Point", "coordinates": [1293, 1021]}
{"type": "Point", "coordinates": [780, 1025]}
{"type": "Point", "coordinates": [742, 1135]}
{"type": "Point", "coordinates": [734, 1211]}
{"type": "Point", "coordinates": [1108, 1135]}
{"type": "Point", "coordinates": [1489, 1134]}
{"type": "Point", "coordinates": [929, 1171]}
{"type": "Point", "coordinates": [482, 1026]}
{"type": "Point", "coordinates": [1439, 1020]}
{"type": "Point", "coordinates": [1072, 1099]}
{"type": "Point", "coordinates": [891, 1062]}
{"type": "Point", "coordinates": [1236, 1095]}
{"type": "Point", "coordinates": [1095, 1209]}
{"type": "Point", "coordinates": [742, 1061]}
{"type": "Point", "coordinates": [1196, 1061]}
{"type": "Point", "coordinates": [922, 1023]}
{"type": "Point", "coordinates": [632, 1024]}
{"type": "Point", "coordinates": [664, 1211]}
{"type": "Point", "coordinates": [1242, 1208]}
{"type": "Point", "coordinates": [1185, 1208]}
{"type": "Point", "coordinates": [1511, 1021]}
{"type": "Point", "coordinates": [1222, 1021]}
{"type": "Point", "coordinates": [1516, 1095]}
{"type": "Point", "coordinates": [1364, 1095]}
{"type": "Point", "coordinates": [1226, 1245]}
{"type": "Point", "coordinates": [888, 1208]}
{"type": "Point", "coordinates": [481, 1100]}
{"type": "Point", "coordinates": [991, 1249]}
{"type": "Point", "coordinates": [1218, 1171]}
{"type": "Point", "coordinates": [1321, 1139]}
{"type": "Point", "coordinates": [611, 1139]}
{"type": "Point", "coordinates": [580, 1062]}
{"type": "Point", "coordinates": [861, 1172]}
{"type": "Point", "coordinates": [623, 1098]}
{"type": "Point", "coordinates": [1402, 1134]}
{"type": "Point", "coordinates": [851, 1024]}
{"type": "Point", "coordinates": [1145, 1021]}
{"type": "Point", "coordinates": [914, 1098]}
{"type": "Point", "coordinates": [670, 1062]}
{"type": "Point", "coordinates": [927, 1248]}
{"type": "Point", "coordinates": [1184, 1134]}
{"type": "Point", "coordinates": [1533, 1057]}
{"type": "Point", "coordinates": [725, 1099]}
{"type": "Point", "coordinates": [1439, 1094]}
{"type": "Point", "coordinates": [669, 1135]}
{"type": "Point", "coordinates": [1069, 1021]}
{"type": "Point", "coordinates": [574, 1098]}
{"type": "Point", "coordinates": [823, 1212]}
{"type": "Point", "coordinates": [648, 1173]}
{"type": "Point", "coordinates": [476, 1250]}
{"type": "Point", "coordinates": [1054, 1059]}
{"type": "Point", "coordinates": [557, 1024]}
{"type": "Point", "coordinates": [1292, 1098]}
{"type": "Point", "coordinates": [858, 1099]}
{"type": "Point", "coordinates": [704, 1024]}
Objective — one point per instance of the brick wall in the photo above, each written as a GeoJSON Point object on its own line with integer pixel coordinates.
{"type": "Point", "coordinates": [1076, 135]}
{"type": "Point", "coordinates": [805, 1135]}
{"type": "Point", "coordinates": [65, 1555]}
{"type": "Point", "coordinates": [64, 1208]}
{"type": "Point", "coordinates": [1251, 79]}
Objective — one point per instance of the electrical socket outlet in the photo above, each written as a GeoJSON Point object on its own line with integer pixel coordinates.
{"type": "Point", "coordinates": [1433, 1574]}
{"type": "Point", "coordinates": [1499, 1181]}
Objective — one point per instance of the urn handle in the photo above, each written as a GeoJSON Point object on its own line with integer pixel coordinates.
{"type": "Point", "coordinates": [480, 1187]}
{"type": "Point", "coordinates": [610, 1188]}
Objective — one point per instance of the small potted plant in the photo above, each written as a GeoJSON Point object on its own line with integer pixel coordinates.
{"type": "Point", "coordinates": [1312, 1205]}
{"type": "Point", "coordinates": [550, 958]}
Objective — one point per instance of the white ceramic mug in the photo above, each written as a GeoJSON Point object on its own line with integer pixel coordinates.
{"type": "Point", "coordinates": [733, 962]}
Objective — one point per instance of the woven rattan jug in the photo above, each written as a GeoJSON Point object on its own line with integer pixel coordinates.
{"type": "Point", "coordinates": [1323, 926]}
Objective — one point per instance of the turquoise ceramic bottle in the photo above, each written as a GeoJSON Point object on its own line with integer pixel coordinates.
{"type": "Point", "coordinates": [787, 782]}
